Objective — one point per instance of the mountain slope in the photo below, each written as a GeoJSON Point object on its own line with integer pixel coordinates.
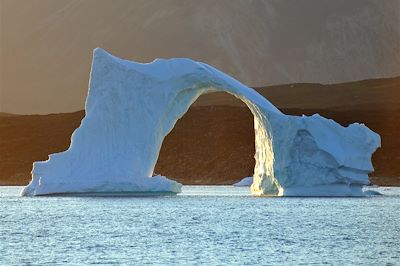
{"type": "Point", "coordinates": [45, 57]}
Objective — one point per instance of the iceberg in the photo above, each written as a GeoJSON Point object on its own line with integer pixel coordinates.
{"type": "Point", "coordinates": [131, 107]}
{"type": "Point", "coordinates": [245, 182]}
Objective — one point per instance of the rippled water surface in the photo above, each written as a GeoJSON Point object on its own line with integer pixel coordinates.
{"type": "Point", "coordinates": [203, 225]}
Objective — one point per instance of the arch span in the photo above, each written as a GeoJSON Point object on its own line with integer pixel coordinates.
{"type": "Point", "coordinates": [131, 107]}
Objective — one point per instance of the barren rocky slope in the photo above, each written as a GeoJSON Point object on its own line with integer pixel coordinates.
{"type": "Point", "coordinates": [214, 142]}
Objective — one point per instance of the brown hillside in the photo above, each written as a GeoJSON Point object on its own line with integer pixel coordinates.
{"type": "Point", "coordinates": [215, 144]}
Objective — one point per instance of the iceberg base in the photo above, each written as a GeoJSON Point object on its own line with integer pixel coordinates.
{"type": "Point", "coordinates": [150, 186]}
{"type": "Point", "coordinates": [334, 190]}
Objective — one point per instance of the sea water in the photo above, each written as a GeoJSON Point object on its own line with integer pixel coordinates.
{"type": "Point", "coordinates": [210, 225]}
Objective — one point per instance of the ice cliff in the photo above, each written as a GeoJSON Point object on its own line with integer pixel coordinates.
{"type": "Point", "coordinates": [131, 107]}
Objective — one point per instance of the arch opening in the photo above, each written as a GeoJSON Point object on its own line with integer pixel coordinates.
{"type": "Point", "coordinates": [264, 182]}
{"type": "Point", "coordinates": [211, 144]}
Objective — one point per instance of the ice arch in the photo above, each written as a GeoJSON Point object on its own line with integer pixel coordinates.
{"type": "Point", "coordinates": [131, 107]}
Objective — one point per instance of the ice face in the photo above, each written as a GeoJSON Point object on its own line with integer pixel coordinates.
{"type": "Point", "coordinates": [131, 107]}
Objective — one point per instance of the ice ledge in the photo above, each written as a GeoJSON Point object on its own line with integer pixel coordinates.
{"type": "Point", "coordinates": [332, 190]}
{"type": "Point", "coordinates": [156, 185]}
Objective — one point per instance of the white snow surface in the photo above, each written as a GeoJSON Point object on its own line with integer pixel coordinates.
{"type": "Point", "coordinates": [245, 182]}
{"type": "Point", "coordinates": [131, 107]}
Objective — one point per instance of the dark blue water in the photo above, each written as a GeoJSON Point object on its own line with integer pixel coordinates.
{"type": "Point", "coordinates": [203, 225]}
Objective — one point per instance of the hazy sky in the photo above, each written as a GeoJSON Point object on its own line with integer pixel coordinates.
{"type": "Point", "coordinates": [46, 45]}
